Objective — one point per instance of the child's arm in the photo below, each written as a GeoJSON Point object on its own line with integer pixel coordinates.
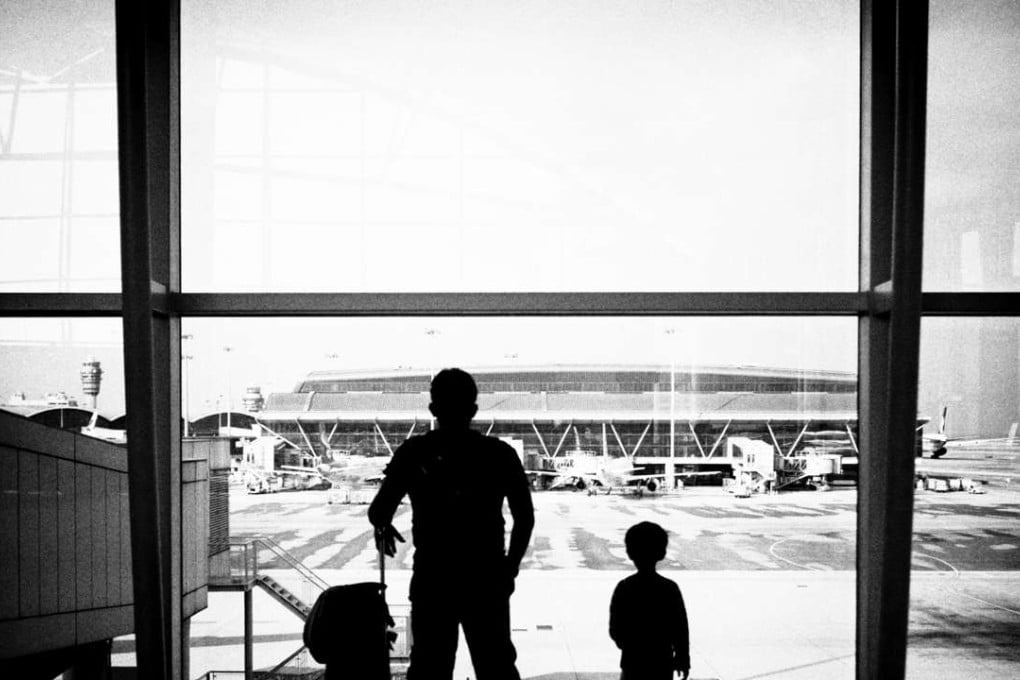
{"type": "Point", "coordinates": [617, 626]}
{"type": "Point", "coordinates": [681, 638]}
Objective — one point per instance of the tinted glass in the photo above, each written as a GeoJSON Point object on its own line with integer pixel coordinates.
{"type": "Point", "coordinates": [768, 580]}
{"type": "Point", "coordinates": [972, 197]}
{"type": "Point", "coordinates": [58, 147]}
{"type": "Point", "coordinates": [465, 147]}
{"type": "Point", "coordinates": [60, 371]}
{"type": "Point", "coordinates": [966, 551]}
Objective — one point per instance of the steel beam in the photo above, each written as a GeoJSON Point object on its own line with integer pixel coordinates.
{"type": "Point", "coordinates": [893, 99]}
{"type": "Point", "coordinates": [382, 435]}
{"type": "Point", "coordinates": [60, 304]}
{"type": "Point", "coordinates": [541, 441]}
{"type": "Point", "coordinates": [718, 440]}
{"type": "Point", "coordinates": [149, 157]}
{"type": "Point", "coordinates": [618, 440]}
{"type": "Point", "coordinates": [697, 441]}
{"type": "Point", "coordinates": [641, 440]}
{"type": "Point", "coordinates": [563, 438]}
{"type": "Point", "coordinates": [370, 304]}
{"type": "Point", "coordinates": [519, 304]}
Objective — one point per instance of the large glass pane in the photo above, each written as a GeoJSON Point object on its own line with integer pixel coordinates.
{"type": "Point", "coordinates": [58, 147]}
{"type": "Point", "coordinates": [972, 193]}
{"type": "Point", "coordinates": [965, 583]}
{"type": "Point", "coordinates": [724, 404]}
{"type": "Point", "coordinates": [62, 371]}
{"type": "Point", "coordinates": [463, 146]}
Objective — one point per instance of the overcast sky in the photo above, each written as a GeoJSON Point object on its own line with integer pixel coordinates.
{"type": "Point", "coordinates": [533, 146]}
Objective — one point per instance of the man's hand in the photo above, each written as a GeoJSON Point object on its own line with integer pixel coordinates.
{"type": "Point", "coordinates": [386, 539]}
{"type": "Point", "coordinates": [509, 576]}
{"type": "Point", "coordinates": [682, 666]}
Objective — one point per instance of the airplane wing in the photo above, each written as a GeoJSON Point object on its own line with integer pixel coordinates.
{"type": "Point", "coordinates": [636, 478]}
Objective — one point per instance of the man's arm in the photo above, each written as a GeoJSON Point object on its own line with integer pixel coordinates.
{"type": "Point", "coordinates": [518, 497]}
{"type": "Point", "coordinates": [385, 504]}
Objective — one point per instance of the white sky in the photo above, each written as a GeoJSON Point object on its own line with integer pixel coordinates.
{"type": "Point", "coordinates": [277, 353]}
{"type": "Point", "coordinates": [536, 146]}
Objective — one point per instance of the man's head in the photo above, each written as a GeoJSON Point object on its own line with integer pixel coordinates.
{"type": "Point", "coordinates": [646, 544]}
{"type": "Point", "coordinates": [453, 395]}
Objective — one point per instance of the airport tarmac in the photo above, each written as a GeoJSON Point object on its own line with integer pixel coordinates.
{"type": "Point", "coordinates": [769, 581]}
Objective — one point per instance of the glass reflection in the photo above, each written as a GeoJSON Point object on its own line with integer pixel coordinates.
{"type": "Point", "coordinates": [58, 147]}
{"type": "Point", "coordinates": [972, 193]}
{"type": "Point", "coordinates": [637, 147]}
{"type": "Point", "coordinates": [715, 405]}
{"type": "Point", "coordinates": [966, 549]}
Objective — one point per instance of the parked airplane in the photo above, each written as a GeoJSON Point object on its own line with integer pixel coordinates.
{"type": "Point", "coordinates": [354, 470]}
{"type": "Point", "coordinates": [584, 470]}
{"type": "Point", "coordinates": [935, 444]}
{"type": "Point", "coordinates": [105, 433]}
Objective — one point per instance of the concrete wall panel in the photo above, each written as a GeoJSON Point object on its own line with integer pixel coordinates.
{"type": "Point", "coordinates": [98, 509]}
{"type": "Point", "coordinates": [67, 553]}
{"type": "Point", "coordinates": [9, 586]}
{"type": "Point", "coordinates": [49, 537]}
{"type": "Point", "coordinates": [28, 532]}
{"type": "Point", "coordinates": [83, 535]}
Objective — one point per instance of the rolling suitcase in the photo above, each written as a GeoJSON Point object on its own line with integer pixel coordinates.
{"type": "Point", "coordinates": [350, 630]}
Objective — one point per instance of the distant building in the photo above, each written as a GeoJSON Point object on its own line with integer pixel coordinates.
{"type": "Point", "coordinates": [551, 410]}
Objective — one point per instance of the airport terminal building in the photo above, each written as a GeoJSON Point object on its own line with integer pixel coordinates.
{"type": "Point", "coordinates": [670, 420]}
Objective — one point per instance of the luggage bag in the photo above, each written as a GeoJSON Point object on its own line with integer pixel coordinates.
{"type": "Point", "coordinates": [350, 630]}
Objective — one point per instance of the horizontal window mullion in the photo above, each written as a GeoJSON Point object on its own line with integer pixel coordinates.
{"type": "Point", "coordinates": [60, 304]}
{"type": "Point", "coordinates": [485, 304]}
{"type": "Point", "coordinates": [516, 304]}
{"type": "Point", "coordinates": [970, 304]}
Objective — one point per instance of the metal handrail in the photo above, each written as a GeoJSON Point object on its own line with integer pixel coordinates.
{"type": "Point", "coordinates": [296, 564]}
{"type": "Point", "coordinates": [278, 668]}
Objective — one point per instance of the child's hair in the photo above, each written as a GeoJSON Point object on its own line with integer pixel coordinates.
{"type": "Point", "coordinates": [646, 542]}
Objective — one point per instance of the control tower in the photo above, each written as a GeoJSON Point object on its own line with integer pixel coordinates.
{"type": "Point", "coordinates": [91, 377]}
{"type": "Point", "coordinates": [253, 400]}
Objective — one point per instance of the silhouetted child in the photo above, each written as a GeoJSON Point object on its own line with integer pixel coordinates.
{"type": "Point", "coordinates": [647, 617]}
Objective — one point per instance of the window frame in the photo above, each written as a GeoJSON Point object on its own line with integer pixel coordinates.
{"type": "Point", "coordinates": [888, 305]}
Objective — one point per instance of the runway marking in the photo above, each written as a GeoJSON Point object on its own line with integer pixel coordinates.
{"type": "Point", "coordinates": [327, 552]}
{"type": "Point", "coordinates": [955, 579]}
{"type": "Point", "coordinates": [802, 666]}
{"type": "Point", "coordinates": [772, 551]}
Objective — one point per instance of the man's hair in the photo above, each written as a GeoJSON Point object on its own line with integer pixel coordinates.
{"type": "Point", "coordinates": [646, 542]}
{"type": "Point", "coordinates": [453, 387]}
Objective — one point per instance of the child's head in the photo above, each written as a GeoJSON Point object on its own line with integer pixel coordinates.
{"type": "Point", "coordinates": [646, 544]}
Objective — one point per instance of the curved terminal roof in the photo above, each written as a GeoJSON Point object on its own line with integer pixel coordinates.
{"type": "Point", "coordinates": [64, 417]}
{"type": "Point", "coordinates": [586, 393]}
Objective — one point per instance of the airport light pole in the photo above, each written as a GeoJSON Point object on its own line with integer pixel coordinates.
{"type": "Point", "coordinates": [434, 334]}
{"type": "Point", "coordinates": [186, 359]}
{"type": "Point", "coordinates": [227, 349]}
{"type": "Point", "coordinates": [671, 467]}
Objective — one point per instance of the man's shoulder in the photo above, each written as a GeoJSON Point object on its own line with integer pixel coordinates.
{"type": "Point", "coordinates": [412, 444]}
{"type": "Point", "coordinates": [496, 444]}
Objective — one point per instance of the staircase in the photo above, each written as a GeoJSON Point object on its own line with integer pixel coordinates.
{"type": "Point", "coordinates": [267, 553]}
{"type": "Point", "coordinates": [283, 596]}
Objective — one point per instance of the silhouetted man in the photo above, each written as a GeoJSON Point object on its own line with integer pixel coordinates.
{"type": "Point", "coordinates": [457, 480]}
